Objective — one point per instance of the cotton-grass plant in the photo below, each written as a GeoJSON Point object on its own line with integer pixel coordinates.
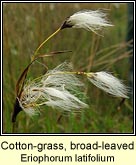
{"type": "Point", "coordinates": [57, 88]}
{"type": "Point", "coordinates": [60, 87]}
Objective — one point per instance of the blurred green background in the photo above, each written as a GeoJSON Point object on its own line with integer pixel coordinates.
{"type": "Point", "coordinates": [26, 25]}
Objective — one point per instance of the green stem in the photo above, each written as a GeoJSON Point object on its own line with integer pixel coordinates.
{"type": "Point", "coordinates": [89, 74]}
{"type": "Point", "coordinates": [35, 53]}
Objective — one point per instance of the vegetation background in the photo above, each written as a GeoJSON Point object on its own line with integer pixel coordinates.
{"type": "Point", "coordinates": [26, 25]}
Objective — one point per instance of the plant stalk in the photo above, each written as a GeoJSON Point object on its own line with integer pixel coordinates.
{"type": "Point", "coordinates": [35, 53]}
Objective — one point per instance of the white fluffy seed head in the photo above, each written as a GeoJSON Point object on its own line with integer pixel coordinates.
{"type": "Point", "coordinates": [57, 77]}
{"type": "Point", "coordinates": [109, 84]}
{"type": "Point", "coordinates": [88, 20]}
{"type": "Point", "coordinates": [55, 89]}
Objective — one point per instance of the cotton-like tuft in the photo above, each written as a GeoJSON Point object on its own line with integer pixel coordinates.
{"type": "Point", "coordinates": [58, 88]}
{"type": "Point", "coordinates": [109, 84]}
{"type": "Point", "coordinates": [88, 19]}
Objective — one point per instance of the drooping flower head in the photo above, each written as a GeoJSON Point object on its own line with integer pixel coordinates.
{"type": "Point", "coordinates": [108, 83]}
{"type": "Point", "coordinates": [55, 89]}
{"type": "Point", "coordinates": [87, 19]}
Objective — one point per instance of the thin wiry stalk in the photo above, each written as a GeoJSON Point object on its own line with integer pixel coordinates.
{"type": "Point", "coordinates": [57, 88]}
{"type": "Point", "coordinates": [36, 51]}
{"type": "Point", "coordinates": [94, 48]}
{"type": "Point", "coordinates": [110, 62]}
{"type": "Point", "coordinates": [113, 51]}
